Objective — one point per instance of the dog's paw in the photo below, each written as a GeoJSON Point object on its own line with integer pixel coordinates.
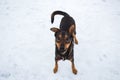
{"type": "Point", "coordinates": [76, 41]}
{"type": "Point", "coordinates": [55, 69]}
{"type": "Point", "coordinates": [74, 71]}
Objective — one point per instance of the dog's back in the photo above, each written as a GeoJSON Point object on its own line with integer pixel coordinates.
{"type": "Point", "coordinates": [66, 21]}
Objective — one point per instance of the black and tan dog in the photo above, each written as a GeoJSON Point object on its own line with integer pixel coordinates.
{"type": "Point", "coordinates": [65, 36]}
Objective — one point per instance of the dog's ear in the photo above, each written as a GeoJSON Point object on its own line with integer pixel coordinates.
{"type": "Point", "coordinates": [54, 29]}
{"type": "Point", "coordinates": [71, 29]}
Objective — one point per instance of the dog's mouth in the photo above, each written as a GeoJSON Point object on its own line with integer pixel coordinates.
{"type": "Point", "coordinates": [63, 52]}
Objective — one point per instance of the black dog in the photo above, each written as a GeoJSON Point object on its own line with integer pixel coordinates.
{"type": "Point", "coordinates": [65, 36]}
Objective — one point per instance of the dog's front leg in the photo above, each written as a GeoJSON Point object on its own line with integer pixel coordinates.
{"type": "Point", "coordinates": [56, 66]}
{"type": "Point", "coordinates": [74, 70]}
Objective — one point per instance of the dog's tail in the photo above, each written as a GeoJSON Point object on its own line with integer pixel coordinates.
{"type": "Point", "coordinates": [58, 12]}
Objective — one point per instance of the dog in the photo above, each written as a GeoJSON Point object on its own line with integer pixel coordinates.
{"type": "Point", "coordinates": [65, 37]}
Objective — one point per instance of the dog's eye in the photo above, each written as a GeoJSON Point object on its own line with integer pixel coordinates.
{"type": "Point", "coordinates": [68, 40]}
{"type": "Point", "coordinates": [57, 39]}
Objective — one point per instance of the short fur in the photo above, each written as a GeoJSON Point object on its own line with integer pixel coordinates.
{"type": "Point", "coordinates": [65, 36]}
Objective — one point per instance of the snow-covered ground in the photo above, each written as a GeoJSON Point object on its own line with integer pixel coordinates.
{"type": "Point", "coordinates": [27, 44]}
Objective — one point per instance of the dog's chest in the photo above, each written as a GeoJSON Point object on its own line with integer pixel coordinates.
{"type": "Point", "coordinates": [67, 56]}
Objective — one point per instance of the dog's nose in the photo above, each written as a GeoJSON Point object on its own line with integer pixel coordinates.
{"type": "Point", "coordinates": [62, 48]}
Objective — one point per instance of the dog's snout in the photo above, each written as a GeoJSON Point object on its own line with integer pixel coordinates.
{"type": "Point", "coordinates": [62, 47]}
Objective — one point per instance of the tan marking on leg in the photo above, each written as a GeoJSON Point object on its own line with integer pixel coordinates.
{"type": "Point", "coordinates": [75, 39]}
{"type": "Point", "coordinates": [55, 68]}
{"type": "Point", "coordinates": [74, 70]}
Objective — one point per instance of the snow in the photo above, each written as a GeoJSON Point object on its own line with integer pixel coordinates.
{"type": "Point", "coordinates": [27, 44]}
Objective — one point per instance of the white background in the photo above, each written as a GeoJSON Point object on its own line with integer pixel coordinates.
{"type": "Point", "coordinates": [27, 45]}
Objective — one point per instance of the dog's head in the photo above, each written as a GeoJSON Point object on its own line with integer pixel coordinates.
{"type": "Point", "coordinates": [63, 39]}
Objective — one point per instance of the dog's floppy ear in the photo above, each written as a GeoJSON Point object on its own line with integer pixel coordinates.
{"type": "Point", "coordinates": [71, 29]}
{"type": "Point", "coordinates": [54, 29]}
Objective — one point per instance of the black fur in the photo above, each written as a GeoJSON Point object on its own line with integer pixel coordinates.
{"type": "Point", "coordinates": [66, 21]}
{"type": "Point", "coordinates": [64, 30]}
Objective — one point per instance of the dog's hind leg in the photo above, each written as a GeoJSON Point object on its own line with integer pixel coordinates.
{"type": "Point", "coordinates": [72, 31]}
{"type": "Point", "coordinates": [75, 39]}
